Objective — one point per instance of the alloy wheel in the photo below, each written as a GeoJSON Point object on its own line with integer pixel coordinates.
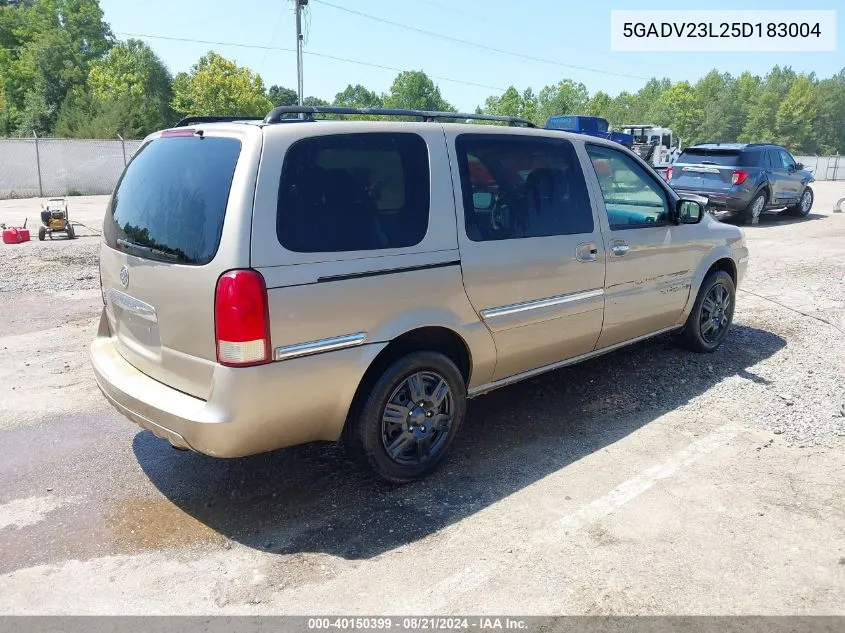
{"type": "Point", "coordinates": [716, 313]}
{"type": "Point", "coordinates": [806, 201]}
{"type": "Point", "coordinates": [417, 418]}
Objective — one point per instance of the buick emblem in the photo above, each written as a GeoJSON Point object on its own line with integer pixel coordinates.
{"type": "Point", "coordinates": [124, 276]}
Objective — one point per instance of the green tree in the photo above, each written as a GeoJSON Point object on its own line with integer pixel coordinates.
{"type": "Point", "coordinates": [722, 118]}
{"type": "Point", "coordinates": [358, 96]}
{"type": "Point", "coordinates": [216, 85]}
{"type": "Point", "coordinates": [414, 90]}
{"type": "Point", "coordinates": [281, 96]}
{"type": "Point", "coordinates": [132, 74]}
{"type": "Point", "coordinates": [52, 45]}
{"type": "Point", "coordinates": [760, 124]}
{"type": "Point", "coordinates": [564, 97]}
{"type": "Point", "coordinates": [600, 104]}
{"type": "Point", "coordinates": [678, 108]}
{"type": "Point", "coordinates": [797, 117]}
{"type": "Point", "coordinates": [830, 99]}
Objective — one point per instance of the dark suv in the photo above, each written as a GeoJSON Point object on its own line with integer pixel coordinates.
{"type": "Point", "coordinates": [743, 178]}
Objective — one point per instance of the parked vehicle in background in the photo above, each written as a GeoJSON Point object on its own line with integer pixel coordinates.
{"type": "Point", "coordinates": [744, 178]}
{"type": "Point", "coordinates": [655, 145]}
{"type": "Point", "coordinates": [279, 281]}
{"type": "Point", "coordinates": [589, 125]}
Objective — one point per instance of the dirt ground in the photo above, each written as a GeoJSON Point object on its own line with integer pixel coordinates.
{"type": "Point", "coordinates": [648, 481]}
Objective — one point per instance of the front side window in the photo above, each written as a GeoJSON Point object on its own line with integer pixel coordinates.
{"type": "Point", "coordinates": [601, 126]}
{"type": "Point", "coordinates": [354, 192]}
{"type": "Point", "coordinates": [786, 160]}
{"type": "Point", "coordinates": [518, 187]}
{"type": "Point", "coordinates": [632, 198]}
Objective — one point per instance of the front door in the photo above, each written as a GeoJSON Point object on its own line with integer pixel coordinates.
{"type": "Point", "coordinates": [778, 178]}
{"type": "Point", "coordinates": [650, 260]}
{"type": "Point", "coordinates": [531, 249]}
{"type": "Point", "coordinates": [793, 184]}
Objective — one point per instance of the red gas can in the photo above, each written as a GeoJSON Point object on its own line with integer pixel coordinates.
{"type": "Point", "coordinates": [15, 235]}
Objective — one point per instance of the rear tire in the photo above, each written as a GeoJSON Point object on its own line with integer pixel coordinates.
{"type": "Point", "coordinates": [805, 203]}
{"type": "Point", "coordinates": [751, 213]}
{"type": "Point", "coordinates": [70, 232]}
{"type": "Point", "coordinates": [42, 233]}
{"type": "Point", "coordinates": [712, 314]}
{"type": "Point", "coordinates": [405, 424]}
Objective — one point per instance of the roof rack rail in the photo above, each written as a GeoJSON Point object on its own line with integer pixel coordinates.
{"type": "Point", "coordinates": [190, 120]}
{"type": "Point", "coordinates": [277, 115]}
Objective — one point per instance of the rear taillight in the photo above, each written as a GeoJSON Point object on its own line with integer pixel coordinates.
{"type": "Point", "coordinates": [241, 319]}
{"type": "Point", "coordinates": [739, 177]}
{"type": "Point", "coordinates": [669, 173]}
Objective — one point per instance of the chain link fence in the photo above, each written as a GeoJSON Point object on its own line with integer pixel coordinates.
{"type": "Point", "coordinates": [40, 167]}
{"type": "Point", "coordinates": [824, 167]}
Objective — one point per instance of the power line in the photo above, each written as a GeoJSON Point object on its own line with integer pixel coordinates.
{"type": "Point", "coordinates": [474, 44]}
{"type": "Point", "coordinates": [312, 53]}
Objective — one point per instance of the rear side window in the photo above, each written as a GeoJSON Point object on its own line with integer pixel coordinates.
{"type": "Point", "coordinates": [354, 192]}
{"type": "Point", "coordinates": [750, 158]}
{"type": "Point", "coordinates": [519, 187]}
{"type": "Point", "coordinates": [170, 203]}
{"type": "Point", "coordinates": [725, 158]}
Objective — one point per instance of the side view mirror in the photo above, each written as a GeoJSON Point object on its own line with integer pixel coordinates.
{"type": "Point", "coordinates": [799, 165]}
{"type": "Point", "coordinates": [689, 211]}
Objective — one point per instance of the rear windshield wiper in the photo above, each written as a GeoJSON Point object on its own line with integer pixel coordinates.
{"type": "Point", "coordinates": [148, 249]}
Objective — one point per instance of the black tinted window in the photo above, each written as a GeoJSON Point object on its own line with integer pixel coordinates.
{"type": "Point", "coordinates": [519, 187]}
{"type": "Point", "coordinates": [750, 158]}
{"type": "Point", "coordinates": [354, 192]}
{"type": "Point", "coordinates": [170, 202]}
{"type": "Point", "coordinates": [772, 159]}
{"type": "Point", "coordinates": [726, 158]}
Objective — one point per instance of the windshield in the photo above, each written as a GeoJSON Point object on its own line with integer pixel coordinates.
{"type": "Point", "coordinates": [170, 202]}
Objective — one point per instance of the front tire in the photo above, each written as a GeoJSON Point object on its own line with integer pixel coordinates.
{"type": "Point", "coordinates": [70, 232]}
{"type": "Point", "coordinates": [405, 425]}
{"type": "Point", "coordinates": [42, 233]}
{"type": "Point", "coordinates": [805, 203]}
{"type": "Point", "coordinates": [712, 314]}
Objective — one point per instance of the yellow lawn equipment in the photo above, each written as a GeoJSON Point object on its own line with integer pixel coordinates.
{"type": "Point", "coordinates": [54, 219]}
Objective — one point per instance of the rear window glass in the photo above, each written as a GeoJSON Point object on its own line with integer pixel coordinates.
{"type": "Point", "coordinates": [354, 192]}
{"type": "Point", "coordinates": [725, 158]}
{"type": "Point", "coordinates": [170, 202]}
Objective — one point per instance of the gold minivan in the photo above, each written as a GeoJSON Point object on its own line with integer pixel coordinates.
{"type": "Point", "coordinates": [286, 280]}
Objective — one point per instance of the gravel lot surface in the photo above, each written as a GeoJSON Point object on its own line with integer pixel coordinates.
{"type": "Point", "coordinates": [647, 481]}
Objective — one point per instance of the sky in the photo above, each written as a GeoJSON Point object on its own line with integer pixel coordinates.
{"type": "Point", "coordinates": [566, 33]}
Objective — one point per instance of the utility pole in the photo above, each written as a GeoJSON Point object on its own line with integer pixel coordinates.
{"type": "Point", "coordinates": [299, 83]}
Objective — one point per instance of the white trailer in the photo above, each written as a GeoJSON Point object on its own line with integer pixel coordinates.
{"type": "Point", "coordinates": [654, 144]}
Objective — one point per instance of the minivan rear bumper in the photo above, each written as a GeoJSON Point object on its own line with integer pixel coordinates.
{"type": "Point", "coordinates": [251, 409]}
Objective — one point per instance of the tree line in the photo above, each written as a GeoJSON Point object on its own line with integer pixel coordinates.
{"type": "Point", "coordinates": [63, 73]}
